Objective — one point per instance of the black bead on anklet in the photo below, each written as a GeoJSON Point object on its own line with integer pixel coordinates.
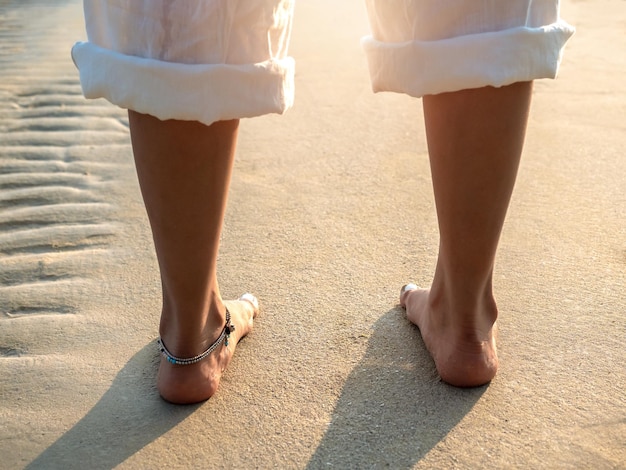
{"type": "Point", "coordinates": [180, 361]}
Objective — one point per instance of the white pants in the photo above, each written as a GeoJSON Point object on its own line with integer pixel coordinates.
{"type": "Point", "coordinates": [425, 47]}
{"type": "Point", "coordinates": [196, 60]}
{"type": "Point", "coordinates": [211, 60]}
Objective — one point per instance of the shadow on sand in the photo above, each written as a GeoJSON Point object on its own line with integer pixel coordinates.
{"type": "Point", "coordinates": [393, 408]}
{"type": "Point", "coordinates": [129, 416]}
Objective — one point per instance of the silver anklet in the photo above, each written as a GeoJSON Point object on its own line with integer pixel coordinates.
{"type": "Point", "coordinates": [180, 361]}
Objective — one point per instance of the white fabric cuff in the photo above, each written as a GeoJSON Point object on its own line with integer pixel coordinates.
{"type": "Point", "coordinates": [500, 58]}
{"type": "Point", "coordinates": [191, 92]}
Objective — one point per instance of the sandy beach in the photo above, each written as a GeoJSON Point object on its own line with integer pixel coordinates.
{"type": "Point", "coordinates": [330, 213]}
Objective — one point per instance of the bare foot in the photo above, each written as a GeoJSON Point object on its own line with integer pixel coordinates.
{"type": "Point", "coordinates": [186, 384]}
{"type": "Point", "coordinates": [464, 349]}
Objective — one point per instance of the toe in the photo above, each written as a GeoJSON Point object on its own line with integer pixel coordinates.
{"type": "Point", "coordinates": [405, 292]}
{"type": "Point", "coordinates": [252, 300]}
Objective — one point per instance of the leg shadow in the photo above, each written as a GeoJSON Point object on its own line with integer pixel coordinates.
{"type": "Point", "coordinates": [129, 416]}
{"type": "Point", "coordinates": [393, 408]}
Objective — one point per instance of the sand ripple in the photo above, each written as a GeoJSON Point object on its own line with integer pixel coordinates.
{"type": "Point", "coordinates": [56, 223]}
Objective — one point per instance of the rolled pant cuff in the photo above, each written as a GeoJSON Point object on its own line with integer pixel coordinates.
{"type": "Point", "coordinates": [191, 92]}
{"type": "Point", "coordinates": [500, 58]}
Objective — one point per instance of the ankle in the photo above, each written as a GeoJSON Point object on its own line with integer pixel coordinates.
{"type": "Point", "coordinates": [190, 332]}
{"type": "Point", "coordinates": [464, 312]}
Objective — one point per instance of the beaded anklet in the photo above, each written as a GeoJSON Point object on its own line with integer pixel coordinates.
{"type": "Point", "coordinates": [223, 337]}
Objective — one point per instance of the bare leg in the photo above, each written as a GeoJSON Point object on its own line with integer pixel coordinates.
{"type": "Point", "coordinates": [475, 140]}
{"type": "Point", "coordinates": [184, 171]}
